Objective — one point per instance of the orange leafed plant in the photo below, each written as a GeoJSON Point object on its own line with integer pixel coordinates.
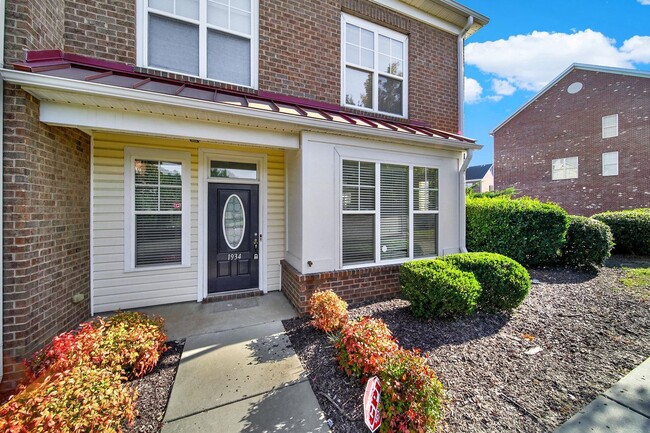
{"type": "Point", "coordinates": [328, 311]}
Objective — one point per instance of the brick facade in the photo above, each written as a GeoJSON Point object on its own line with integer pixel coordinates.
{"type": "Point", "coordinates": [46, 206]}
{"type": "Point", "coordinates": [353, 285]}
{"type": "Point", "coordinates": [559, 125]}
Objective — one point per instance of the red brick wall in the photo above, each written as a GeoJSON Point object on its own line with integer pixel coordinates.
{"type": "Point", "coordinates": [299, 49]}
{"type": "Point", "coordinates": [560, 125]}
{"type": "Point", "coordinates": [353, 285]}
{"type": "Point", "coordinates": [46, 207]}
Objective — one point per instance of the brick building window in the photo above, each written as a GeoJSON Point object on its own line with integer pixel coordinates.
{"type": "Point", "coordinates": [157, 208]}
{"type": "Point", "coordinates": [214, 39]}
{"type": "Point", "coordinates": [565, 168]}
{"type": "Point", "coordinates": [374, 75]}
{"type": "Point", "coordinates": [610, 126]}
{"type": "Point", "coordinates": [610, 164]}
{"type": "Point", "coordinates": [389, 212]}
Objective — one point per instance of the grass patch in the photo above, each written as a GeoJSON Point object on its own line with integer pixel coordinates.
{"type": "Point", "coordinates": [636, 277]}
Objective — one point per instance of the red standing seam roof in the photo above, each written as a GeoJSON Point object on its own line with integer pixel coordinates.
{"type": "Point", "coordinates": [64, 65]}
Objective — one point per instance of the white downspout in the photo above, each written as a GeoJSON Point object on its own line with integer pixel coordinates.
{"type": "Point", "coordinates": [461, 73]}
{"type": "Point", "coordinates": [2, 147]}
{"type": "Point", "coordinates": [461, 124]}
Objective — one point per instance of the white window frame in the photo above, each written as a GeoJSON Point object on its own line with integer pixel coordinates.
{"type": "Point", "coordinates": [562, 175]}
{"type": "Point", "coordinates": [376, 30]}
{"type": "Point", "coordinates": [610, 131]}
{"type": "Point", "coordinates": [612, 166]}
{"type": "Point", "coordinates": [131, 154]}
{"type": "Point", "coordinates": [377, 212]}
{"type": "Point", "coordinates": [142, 34]}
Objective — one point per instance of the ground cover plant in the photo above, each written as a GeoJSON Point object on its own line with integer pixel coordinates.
{"type": "Point", "coordinates": [75, 384]}
{"type": "Point", "coordinates": [592, 330]}
{"type": "Point", "coordinates": [631, 230]}
{"type": "Point", "coordinates": [524, 229]}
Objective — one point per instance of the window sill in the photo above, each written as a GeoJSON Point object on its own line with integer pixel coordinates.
{"type": "Point", "coordinates": [157, 268]}
{"type": "Point", "coordinates": [384, 263]}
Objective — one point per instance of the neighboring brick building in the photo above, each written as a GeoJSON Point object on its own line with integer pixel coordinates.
{"type": "Point", "coordinates": [582, 142]}
{"type": "Point", "coordinates": [155, 155]}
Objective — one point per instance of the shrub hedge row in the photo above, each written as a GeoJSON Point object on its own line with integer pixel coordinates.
{"type": "Point", "coordinates": [526, 230]}
{"type": "Point", "coordinates": [588, 243]}
{"type": "Point", "coordinates": [630, 228]}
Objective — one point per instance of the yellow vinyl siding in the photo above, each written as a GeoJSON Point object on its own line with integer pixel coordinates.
{"type": "Point", "coordinates": [112, 287]}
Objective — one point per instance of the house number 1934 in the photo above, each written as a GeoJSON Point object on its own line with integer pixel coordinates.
{"type": "Point", "coordinates": [234, 256]}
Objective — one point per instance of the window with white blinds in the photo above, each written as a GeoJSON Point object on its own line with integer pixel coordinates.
{"type": "Point", "coordinates": [157, 209]}
{"type": "Point", "coordinates": [389, 212]}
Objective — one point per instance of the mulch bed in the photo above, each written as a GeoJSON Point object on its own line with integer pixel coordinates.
{"type": "Point", "coordinates": [591, 330]}
{"type": "Point", "coordinates": [154, 390]}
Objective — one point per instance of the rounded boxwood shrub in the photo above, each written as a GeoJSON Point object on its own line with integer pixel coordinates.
{"type": "Point", "coordinates": [630, 228]}
{"type": "Point", "coordinates": [588, 243]}
{"type": "Point", "coordinates": [504, 282]}
{"type": "Point", "coordinates": [437, 289]}
{"type": "Point", "coordinates": [526, 230]}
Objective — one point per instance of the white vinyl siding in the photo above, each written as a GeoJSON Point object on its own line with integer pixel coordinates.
{"type": "Point", "coordinates": [564, 168]}
{"type": "Point", "coordinates": [113, 288]}
{"type": "Point", "coordinates": [610, 126]}
{"type": "Point", "coordinates": [610, 164]}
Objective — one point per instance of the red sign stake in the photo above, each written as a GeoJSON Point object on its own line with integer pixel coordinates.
{"type": "Point", "coordinates": [371, 398]}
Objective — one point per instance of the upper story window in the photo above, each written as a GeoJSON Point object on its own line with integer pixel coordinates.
{"type": "Point", "coordinates": [214, 39]}
{"type": "Point", "coordinates": [610, 126]}
{"type": "Point", "coordinates": [564, 168]}
{"type": "Point", "coordinates": [374, 75]}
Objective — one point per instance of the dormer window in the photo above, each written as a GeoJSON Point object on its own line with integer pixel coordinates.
{"type": "Point", "coordinates": [374, 75]}
{"type": "Point", "coordinates": [214, 39]}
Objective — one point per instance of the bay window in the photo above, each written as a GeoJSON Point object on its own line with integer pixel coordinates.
{"type": "Point", "coordinates": [215, 39]}
{"type": "Point", "coordinates": [389, 212]}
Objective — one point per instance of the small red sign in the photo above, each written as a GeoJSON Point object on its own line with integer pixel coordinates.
{"type": "Point", "coordinates": [371, 398]}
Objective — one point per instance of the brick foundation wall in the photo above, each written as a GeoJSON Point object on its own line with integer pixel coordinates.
{"type": "Point", "coordinates": [46, 206]}
{"type": "Point", "coordinates": [353, 285]}
{"type": "Point", "coordinates": [561, 125]}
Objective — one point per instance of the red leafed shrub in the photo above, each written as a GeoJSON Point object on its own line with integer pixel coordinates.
{"type": "Point", "coordinates": [363, 345]}
{"type": "Point", "coordinates": [83, 399]}
{"type": "Point", "coordinates": [411, 395]}
{"type": "Point", "coordinates": [329, 312]}
{"type": "Point", "coordinates": [129, 342]}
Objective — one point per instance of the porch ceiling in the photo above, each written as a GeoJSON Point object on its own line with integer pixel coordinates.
{"type": "Point", "coordinates": [103, 88]}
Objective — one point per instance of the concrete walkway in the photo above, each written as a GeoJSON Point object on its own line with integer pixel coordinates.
{"type": "Point", "coordinates": [238, 371]}
{"type": "Point", "coordinates": [624, 408]}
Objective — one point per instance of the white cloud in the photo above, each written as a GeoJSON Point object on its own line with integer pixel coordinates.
{"type": "Point", "coordinates": [529, 62]}
{"type": "Point", "coordinates": [503, 87]}
{"type": "Point", "coordinates": [473, 91]}
{"type": "Point", "coordinates": [637, 48]}
{"type": "Point", "coordinates": [644, 2]}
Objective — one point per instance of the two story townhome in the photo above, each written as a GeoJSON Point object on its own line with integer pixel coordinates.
{"type": "Point", "coordinates": [166, 151]}
{"type": "Point", "coordinates": [582, 142]}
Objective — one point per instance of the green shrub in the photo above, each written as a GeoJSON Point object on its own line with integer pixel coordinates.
{"type": "Point", "coordinates": [504, 193]}
{"type": "Point", "coordinates": [504, 282]}
{"type": "Point", "coordinates": [363, 345]}
{"type": "Point", "coordinates": [83, 399]}
{"type": "Point", "coordinates": [631, 230]}
{"type": "Point", "coordinates": [329, 312]}
{"type": "Point", "coordinates": [437, 289]}
{"type": "Point", "coordinates": [588, 243]}
{"type": "Point", "coordinates": [411, 395]}
{"type": "Point", "coordinates": [524, 229]}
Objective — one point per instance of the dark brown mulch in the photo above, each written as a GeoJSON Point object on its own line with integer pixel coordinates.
{"type": "Point", "coordinates": [590, 329]}
{"type": "Point", "coordinates": [154, 390]}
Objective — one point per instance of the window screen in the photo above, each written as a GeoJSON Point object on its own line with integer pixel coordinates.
{"type": "Point", "coordinates": [173, 45]}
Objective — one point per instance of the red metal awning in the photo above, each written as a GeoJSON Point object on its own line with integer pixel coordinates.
{"type": "Point", "coordinates": [55, 63]}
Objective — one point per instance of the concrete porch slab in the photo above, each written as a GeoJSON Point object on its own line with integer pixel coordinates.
{"type": "Point", "coordinates": [225, 367]}
{"type": "Point", "coordinates": [192, 318]}
{"type": "Point", "coordinates": [292, 409]}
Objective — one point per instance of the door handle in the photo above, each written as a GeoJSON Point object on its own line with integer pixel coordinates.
{"type": "Point", "coordinates": [256, 242]}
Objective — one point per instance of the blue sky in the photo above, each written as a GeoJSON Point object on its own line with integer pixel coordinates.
{"type": "Point", "coordinates": [529, 42]}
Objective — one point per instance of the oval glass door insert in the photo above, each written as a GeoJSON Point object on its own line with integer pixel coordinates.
{"type": "Point", "coordinates": [234, 221]}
